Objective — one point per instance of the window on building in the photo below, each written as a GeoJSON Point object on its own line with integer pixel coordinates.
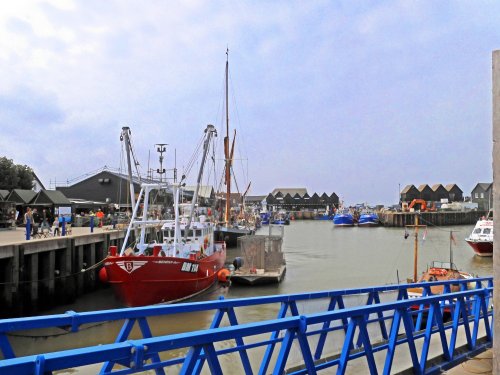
{"type": "Point", "coordinates": [476, 195]}
{"type": "Point", "coordinates": [482, 195]}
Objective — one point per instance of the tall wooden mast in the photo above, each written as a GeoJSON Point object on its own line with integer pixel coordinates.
{"type": "Point", "coordinates": [226, 147]}
{"type": "Point", "coordinates": [415, 247]}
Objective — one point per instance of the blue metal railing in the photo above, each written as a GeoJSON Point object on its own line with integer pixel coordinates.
{"type": "Point", "coordinates": [375, 327]}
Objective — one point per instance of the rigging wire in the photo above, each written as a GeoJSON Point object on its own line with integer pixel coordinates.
{"type": "Point", "coordinates": [241, 139]}
{"type": "Point", "coordinates": [194, 157]}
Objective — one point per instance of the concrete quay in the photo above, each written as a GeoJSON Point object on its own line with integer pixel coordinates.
{"type": "Point", "coordinates": [41, 273]}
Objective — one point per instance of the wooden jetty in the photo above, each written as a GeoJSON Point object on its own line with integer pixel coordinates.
{"type": "Point", "coordinates": [42, 273]}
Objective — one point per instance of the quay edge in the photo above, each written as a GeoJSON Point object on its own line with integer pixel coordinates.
{"type": "Point", "coordinates": [42, 274]}
{"type": "Point", "coordinates": [400, 219]}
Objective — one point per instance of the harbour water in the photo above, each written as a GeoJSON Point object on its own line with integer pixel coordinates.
{"type": "Point", "coordinates": [319, 257]}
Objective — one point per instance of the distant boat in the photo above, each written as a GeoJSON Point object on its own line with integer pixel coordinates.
{"type": "Point", "coordinates": [343, 219]}
{"type": "Point", "coordinates": [481, 238]}
{"type": "Point", "coordinates": [281, 219]}
{"type": "Point", "coordinates": [368, 219]}
{"type": "Point", "coordinates": [265, 217]}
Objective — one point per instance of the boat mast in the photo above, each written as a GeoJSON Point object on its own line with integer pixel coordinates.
{"type": "Point", "coordinates": [415, 247]}
{"type": "Point", "coordinates": [415, 251]}
{"type": "Point", "coordinates": [209, 132]}
{"type": "Point", "coordinates": [125, 137]}
{"type": "Point", "coordinates": [226, 147]}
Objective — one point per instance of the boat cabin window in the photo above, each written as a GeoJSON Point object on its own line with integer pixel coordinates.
{"type": "Point", "coordinates": [477, 230]}
{"type": "Point", "coordinates": [197, 233]}
{"type": "Point", "coordinates": [168, 233]}
{"type": "Point", "coordinates": [189, 233]}
{"type": "Point", "coordinates": [486, 230]}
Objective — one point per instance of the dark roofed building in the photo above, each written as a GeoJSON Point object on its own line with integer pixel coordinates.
{"type": "Point", "coordinates": [482, 194]}
{"type": "Point", "coordinates": [298, 199]}
{"type": "Point", "coordinates": [291, 191]}
{"type": "Point", "coordinates": [4, 194]}
{"type": "Point", "coordinates": [271, 199]}
{"type": "Point", "coordinates": [21, 196]}
{"type": "Point", "coordinates": [455, 194]}
{"type": "Point", "coordinates": [426, 192]}
{"type": "Point", "coordinates": [334, 199]}
{"type": "Point", "coordinates": [105, 186]}
{"type": "Point", "coordinates": [409, 193]}
{"type": "Point", "coordinates": [439, 192]}
{"type": "Point", "coordinates": [50, 198]}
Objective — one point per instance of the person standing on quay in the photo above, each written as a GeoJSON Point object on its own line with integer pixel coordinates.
{"type": "Point", "coordinates": [28, 215]}
{"type": "Point", "coordinates": [100, 216]}
{"type": "Point", "coordinates": [55, 226]}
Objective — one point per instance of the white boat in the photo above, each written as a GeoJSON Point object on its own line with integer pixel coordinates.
{"type": "Point", "coordinates": [481, 238]}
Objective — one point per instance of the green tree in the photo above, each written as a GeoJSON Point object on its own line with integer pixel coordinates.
{"type": "Point", "coordinates": [15, 176]}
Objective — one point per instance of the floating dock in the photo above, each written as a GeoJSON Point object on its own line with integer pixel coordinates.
{"type": "Point", "coordinates": [262, 259]}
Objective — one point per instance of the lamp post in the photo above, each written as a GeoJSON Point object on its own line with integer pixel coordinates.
{"type": "Point", "coordinates": [161, 149]}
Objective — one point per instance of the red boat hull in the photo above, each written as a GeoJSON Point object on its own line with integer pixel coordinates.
{"type": "Point", "coordinates": [482, 248]}
{"type": "Point", "coordinates": [146, 280]}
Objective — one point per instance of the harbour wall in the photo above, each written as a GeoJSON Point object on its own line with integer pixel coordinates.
{"type": "Point", "coordinates": [39, 274]}
{"type": "Point", "coordinates": [400, 219]}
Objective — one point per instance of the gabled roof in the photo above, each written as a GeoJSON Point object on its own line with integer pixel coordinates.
{"type": "Point", "coordinates": [484, 185]}
{"type": "Point", "coordinates": [3, 194]}
{"type": "Point", "coordinates": [21, 196]}
{"type": "Point", "coordinates": [51, 197]}
{"type": "Point", "coordinates": [436, 186]}
{"type": "Point", "coordinates": [408, 188]}
{"type": "Point", "coordinates": [452, 186]}
{"type": "Point", "coordinates": [291, 191]}
{"type": "Point", "coordinates": [422, 187]}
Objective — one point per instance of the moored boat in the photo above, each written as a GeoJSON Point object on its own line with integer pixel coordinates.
{"type": "Point", "coordinates": [343, 219]}
{"type": "Point", "coordinates": [185, 264]}
{"type": "Point", "coordinates": [262, 260]}
{"type": "Point", "coordinates": [265, 218]}
{"type": "Point", "coordinates": [368, 219]}
{"type": "Point", "coordinates": [230, 229]}
{"type": "Point", "coordinates": [481, 238]}
{"type": "Point", "coordinates": [438, 271]}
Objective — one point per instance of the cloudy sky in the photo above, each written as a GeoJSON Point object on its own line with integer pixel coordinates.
{"type": "Point", "coordinates": [352, 97]}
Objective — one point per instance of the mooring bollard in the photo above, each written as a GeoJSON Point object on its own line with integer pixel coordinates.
{"type": "Point", "coordinates": [92, 224]}
{"type": "Point", "coordinates": [28, 229]}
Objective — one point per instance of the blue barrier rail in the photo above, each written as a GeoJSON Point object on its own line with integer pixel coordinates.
{"type": "Point", "coordinates": [361, 332]}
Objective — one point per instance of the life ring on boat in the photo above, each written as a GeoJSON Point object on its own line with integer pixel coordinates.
{"type": "Point", "coordinates": [205, 242]}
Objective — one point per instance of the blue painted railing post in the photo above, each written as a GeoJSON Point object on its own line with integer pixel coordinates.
{"type": "Point", "coordinates": [28, 229]}
{"type": "Point", "coordinates": [92, 224]}
{"type": "Point", "coordinates": [63, 231]}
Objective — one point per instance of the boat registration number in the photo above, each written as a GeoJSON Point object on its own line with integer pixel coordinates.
{"type": "Point", "coordinates": [189, 267]}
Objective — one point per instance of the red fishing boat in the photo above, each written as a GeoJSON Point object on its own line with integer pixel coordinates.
{"type": "Point", "coordinates": [187, 261]}
{"type": "Point", "coordinates": [481, 238]}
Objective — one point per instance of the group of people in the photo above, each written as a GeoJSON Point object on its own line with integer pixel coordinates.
{"type": "Point", "coordinates": [42, 221]}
